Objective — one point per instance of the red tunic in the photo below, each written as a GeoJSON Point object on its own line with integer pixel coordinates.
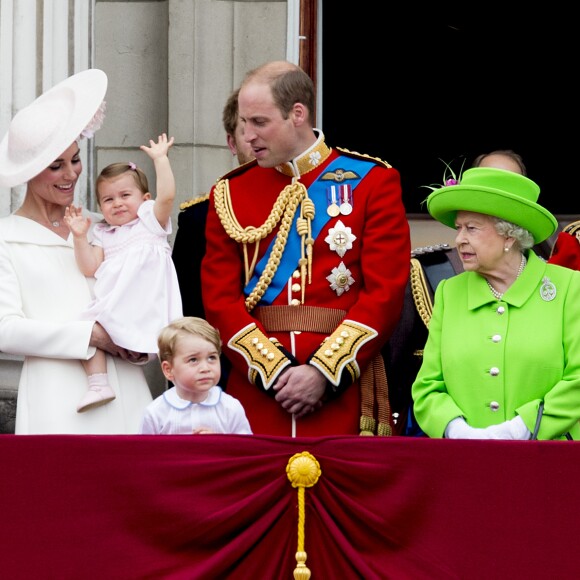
{"type": "Point", "coordinates": [566, 251]}
{"type": "Point", "coordinates": [379, 267]}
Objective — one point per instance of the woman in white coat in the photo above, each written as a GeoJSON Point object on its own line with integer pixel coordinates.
{"type": "Point", "coordinates": [42, 291]}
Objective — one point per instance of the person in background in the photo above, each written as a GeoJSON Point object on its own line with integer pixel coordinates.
{"type": "Point", "coordinates": [129, 256]}
{"type": "Point", "coordinates": [502, 358]}
{"type": "Point", "coordinates": [511, 161]}
{"type": "Point", "coordinates": [566, 249]}
{"type": "Point", "coordinates": [189, 244]}
{"type": "Point", "coordinates": [189, 351]}
{"type": "Point", "coordinates": [501, 159]}
{"type": "Point", "coordinates": [42, 292]}
{"type": "Point", "coordinates": [295, 274]}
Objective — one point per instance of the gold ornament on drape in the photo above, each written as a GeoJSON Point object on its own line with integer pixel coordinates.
{"type": "Point", "coordinates": [303, 471]}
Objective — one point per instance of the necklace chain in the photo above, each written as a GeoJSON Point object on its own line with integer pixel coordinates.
{"type": "Point", "coordinates": [499, 295]}
{"type": "Point", "coordinates": [53, 223]}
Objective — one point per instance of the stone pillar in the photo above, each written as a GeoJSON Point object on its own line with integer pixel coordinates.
{"type": "Point", "coordinates": [41, 43]}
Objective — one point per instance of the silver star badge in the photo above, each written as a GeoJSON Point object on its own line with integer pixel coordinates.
{"type": "Point", "coordinates": [340, 279]}
{"type": "Point", "coordinates": [340, 238]}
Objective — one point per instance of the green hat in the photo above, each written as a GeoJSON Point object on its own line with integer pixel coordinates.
{"type": "Point", "coordinates": [496, 192]}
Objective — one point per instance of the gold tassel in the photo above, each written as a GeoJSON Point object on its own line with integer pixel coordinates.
{"type": "Point", "coordinates": [374, 385]}
{"type": "Point", "coordinates": [303, 470]}
{"type": "Point", "coordinates": [308, 211]}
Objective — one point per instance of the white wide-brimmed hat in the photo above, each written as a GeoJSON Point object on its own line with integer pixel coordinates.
{"type": "Point", "coordinates": [43, 130]}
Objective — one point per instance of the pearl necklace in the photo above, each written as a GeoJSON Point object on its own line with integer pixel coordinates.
{"type": "Point", "coordinates": [499, 295]}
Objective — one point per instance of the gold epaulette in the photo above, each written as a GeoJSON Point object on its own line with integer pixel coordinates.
{"type": "Point", "coordinates": [573, 228]}
{"type": "Point", "coordinates": [364, 156]}
{"type": "Point", "coordinates": [420, 292]}
{"type": "Point", "coordinates": [193, 201]}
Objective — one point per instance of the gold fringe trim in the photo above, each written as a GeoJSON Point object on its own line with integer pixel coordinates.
{"type": "Point", "coordinates": [375, 389]}
{"type": "Point", "coordinates": [364, 156]}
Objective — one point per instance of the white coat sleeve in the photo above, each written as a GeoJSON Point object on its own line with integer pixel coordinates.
{"type": "Point", "coordinates": [30, 337]}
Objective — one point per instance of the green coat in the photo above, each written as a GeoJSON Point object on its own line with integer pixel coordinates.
{"type": "Point", "coordinates": [490, 360]}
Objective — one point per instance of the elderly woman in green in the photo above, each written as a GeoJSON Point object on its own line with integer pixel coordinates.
{"type": "Point", "coordinates": [502, 360]}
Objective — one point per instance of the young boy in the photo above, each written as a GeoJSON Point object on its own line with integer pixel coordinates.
{"type": "Point", "coordinates": [189, 351]}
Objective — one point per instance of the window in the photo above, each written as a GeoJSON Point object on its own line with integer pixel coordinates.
{"type": "Point", "coordinates": [414, 92]}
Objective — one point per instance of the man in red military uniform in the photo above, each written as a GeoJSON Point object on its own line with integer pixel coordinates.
{"type": "Point", "coordinates": [566, 250]}
{"type": "Point", "coordinates": [305, 269]}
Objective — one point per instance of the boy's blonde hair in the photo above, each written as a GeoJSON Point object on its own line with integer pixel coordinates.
{"type": "Point", "coordinates": [169, 336]}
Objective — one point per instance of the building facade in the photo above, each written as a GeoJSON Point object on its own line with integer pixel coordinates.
{"type": "Point", "coordinates": [171, 65]}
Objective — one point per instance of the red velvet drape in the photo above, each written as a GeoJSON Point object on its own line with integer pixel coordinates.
{"type": "Point", "coordinates": [221, 506]}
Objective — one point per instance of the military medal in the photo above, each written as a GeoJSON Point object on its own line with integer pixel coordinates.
{"type": "Point", "coordinates": [340, 279]}
{"type": "Point", "coordinates": [340, 238]}
{"type": "Point", "coordinates": [332, 196]}
{"type": "Point", "coordinates": [346, 199]}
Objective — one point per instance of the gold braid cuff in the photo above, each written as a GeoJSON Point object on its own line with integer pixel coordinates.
{"type": "Point", "coordinates": [261, 353]}
{"type": "Point", "coordinates": [338, 352]}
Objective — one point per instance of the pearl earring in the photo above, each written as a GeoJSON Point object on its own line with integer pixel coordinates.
{"type": "Point", "coordinates": [506, 249]}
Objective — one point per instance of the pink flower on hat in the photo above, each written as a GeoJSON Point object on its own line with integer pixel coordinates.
{"type": "Point", "coordinates": [449, 177]}
{"type": "Point", "coordinates": [95, 123]}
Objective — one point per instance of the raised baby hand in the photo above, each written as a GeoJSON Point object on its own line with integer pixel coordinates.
{"type": "Point", "coordinates": [77, 223]}
{"type": "Point", "coordinates": [159, 149]}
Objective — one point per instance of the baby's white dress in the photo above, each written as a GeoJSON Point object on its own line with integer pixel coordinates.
{"type": "Point", "coordinates": [136, 288]}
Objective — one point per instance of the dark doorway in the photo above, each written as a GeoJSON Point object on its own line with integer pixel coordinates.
{"type": "Point", "coordinates": [448, 88]}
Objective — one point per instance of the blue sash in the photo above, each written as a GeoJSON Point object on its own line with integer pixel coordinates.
{"type": "Point", "coordinates": [292, 251]}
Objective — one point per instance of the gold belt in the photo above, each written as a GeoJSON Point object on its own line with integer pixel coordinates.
{"type": "Point", "coordinates": [299, 318]}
